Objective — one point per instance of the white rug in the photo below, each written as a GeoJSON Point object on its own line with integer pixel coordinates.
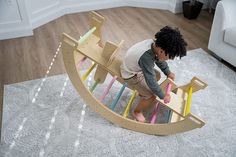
{"type": "Point", "coordinates": [58, 123]}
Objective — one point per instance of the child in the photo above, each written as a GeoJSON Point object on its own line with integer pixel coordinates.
{"type": "Point", "coordinates": [138, 71]}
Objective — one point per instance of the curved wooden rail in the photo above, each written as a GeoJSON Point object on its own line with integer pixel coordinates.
{"type": "Point", "coordinates": [70, 50]}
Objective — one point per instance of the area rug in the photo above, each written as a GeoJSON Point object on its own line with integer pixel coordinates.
{"type": "Point", "coordinates": [53, 120]}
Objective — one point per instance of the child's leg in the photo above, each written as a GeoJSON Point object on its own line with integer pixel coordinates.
{"type": "Point", "coordinates": [142, 105]}
{"type": "Point", "coordinates": [147, 97]}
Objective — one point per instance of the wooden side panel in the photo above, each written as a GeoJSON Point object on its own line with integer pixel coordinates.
{"type": "Point", "coordinates": [96, 20]}
{"type": "Point", "coordinates": [100, 74]}
{"type": "Point", "coordinates": [78, 57]}
{"type": "Point", "coordinates": [165, 83]}
{"type": "Point", "coordinates": [108, 50]}
{"type": "Point", "coordinates": [175, 117]}
{"type": "Point", "coordinates": [196, 83]}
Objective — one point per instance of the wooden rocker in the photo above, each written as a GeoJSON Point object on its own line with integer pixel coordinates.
{"type": "Point", "coordinates": [104, 58]}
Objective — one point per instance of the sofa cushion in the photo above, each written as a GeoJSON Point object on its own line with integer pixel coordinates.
{"type": "Point", "coordinates": [230, 36]}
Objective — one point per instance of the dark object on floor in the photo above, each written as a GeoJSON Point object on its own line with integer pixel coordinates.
{"type": "Point", "coordinates": [191, 9]}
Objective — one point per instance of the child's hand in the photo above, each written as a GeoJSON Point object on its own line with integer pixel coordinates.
{"type": "Point", "coordinates": [167, 98]}
{"type": "Point", "coordinates": [171, 76]}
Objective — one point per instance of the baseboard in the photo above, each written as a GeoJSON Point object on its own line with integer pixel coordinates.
{"type": "Point", "coordinates": [88, 6]}
{"type": "Point", "coordinates": [178, 7]}
{"type": "Point", "coordinates": [16, 33]}
{"type": "Point", "coordinates": [154, 4]}
{"type": "Point", "coordinates": [47, 17]}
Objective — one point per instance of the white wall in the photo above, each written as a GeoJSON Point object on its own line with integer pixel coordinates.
{"type": "Point", "coordinates": [43, 11]}
{"type": "Point", "coordinates": [14, 20]}
{"type": "Point", "coordinates": [19, 17]}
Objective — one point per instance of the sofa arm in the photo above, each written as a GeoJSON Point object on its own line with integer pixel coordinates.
{"type": "Point", "coordinates": [229, 13]}
{"type": "Point", "coordinates": [224, 18]}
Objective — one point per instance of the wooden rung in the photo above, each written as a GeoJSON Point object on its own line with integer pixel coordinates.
{"type": "Point", "coordinates": [168, 88]}
{"type": "Point", "coordinates": [88, 72]}
{"type": "Point", "coordinates": [81, 59]}
{"type": "Point", "coordinates": [91, 89]}
{"type": "Point", "coordinates": [189, 101]}
{"type": "Point", "coordinates": [165, 83]}
{"type": "Point", "coordinates": [113, 104]}
{"type": "Point", "coordinates": [107, 89]}
{"type": "Point", "coordinates": [126, 112]}
{"type": "Point", "coordinates": [154, 114]}
{"type": "Point", "coordinates": [86, 35]}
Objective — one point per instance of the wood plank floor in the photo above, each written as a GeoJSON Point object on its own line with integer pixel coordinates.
{"type": "Point", "coordinates": [28, 58]}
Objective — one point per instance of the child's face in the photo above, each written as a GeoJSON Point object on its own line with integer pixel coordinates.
{"type": "Point", "coordinates": [163, 56]}
{"type": "Point", "coordinates": [160, 54]}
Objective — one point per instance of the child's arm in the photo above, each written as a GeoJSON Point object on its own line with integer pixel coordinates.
{"type": "Point", "coordinates": [163, 66]}
{"type": "Point", "coordinates": [165, 69]}
{"type": "Point", "coordinates": [147, 66]}
{"type": "Point", "coordinates": [171, 76]}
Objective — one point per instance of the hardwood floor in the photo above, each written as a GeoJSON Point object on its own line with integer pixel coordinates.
{"type": "Point", "coordinates": [28, 58]}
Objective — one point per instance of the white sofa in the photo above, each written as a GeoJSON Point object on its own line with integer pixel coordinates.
{"type": "Point", "coordinates": [222, 40]}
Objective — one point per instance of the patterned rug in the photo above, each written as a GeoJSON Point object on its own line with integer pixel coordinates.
{"type": "Point", "coordinates": [46, 117]}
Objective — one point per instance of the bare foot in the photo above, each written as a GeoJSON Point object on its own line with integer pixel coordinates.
{"type": "Point", "coordinates": [139, 117]}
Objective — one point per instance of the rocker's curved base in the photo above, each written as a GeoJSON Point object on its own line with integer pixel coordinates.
{"type": "Point", "coordinates": [188, 123]}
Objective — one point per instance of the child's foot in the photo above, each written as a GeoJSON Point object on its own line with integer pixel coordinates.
{"type": "Point", "coordinates": [139, 117]}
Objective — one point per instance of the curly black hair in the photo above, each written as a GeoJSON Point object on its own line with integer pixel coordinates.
{"type": "Point", "coordinates": [171, 41]}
